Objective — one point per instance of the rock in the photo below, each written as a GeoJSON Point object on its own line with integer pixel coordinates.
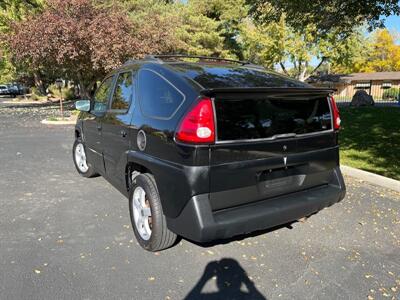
{"type": "Point", "coordinates": [361, 98]}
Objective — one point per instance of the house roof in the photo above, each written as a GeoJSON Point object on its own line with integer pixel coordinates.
{"type": "Point", "coordinates": [347, 78]}
{"type": "Point", "coordinates": [371, 76]}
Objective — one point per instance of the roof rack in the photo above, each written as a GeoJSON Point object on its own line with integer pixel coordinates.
{"type": "Point", "coordinates": [159, 58]}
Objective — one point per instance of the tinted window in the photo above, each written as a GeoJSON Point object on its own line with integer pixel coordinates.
{"type": "Point", "coordinates": [102, 95]}
{"type": "Point", "coordinates": [158, 98]}
{"type": "Point", "coordinates": [264, 118]}
{"type": "Point", "coordinates": [223, 76]}
{"type": "Point", "coordinates": [123, 92]}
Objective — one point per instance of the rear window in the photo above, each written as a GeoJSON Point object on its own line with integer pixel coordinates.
{"type": "Point", "coordinates": [265, 118]}
{"type": "Point", "coordinates": [225, 76]}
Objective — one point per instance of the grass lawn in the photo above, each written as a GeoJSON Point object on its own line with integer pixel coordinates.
{"type": "Point", "coordinates": [370, 139]}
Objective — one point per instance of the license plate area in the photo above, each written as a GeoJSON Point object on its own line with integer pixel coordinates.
{"type": "Point", "coordinates": [275, 181]}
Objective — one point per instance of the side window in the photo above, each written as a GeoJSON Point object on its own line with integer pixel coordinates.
{"type": "Point", "coordinates": [158, 98]}
{"type": "Point", "coordinates": [101, 95]}
{"type": "Point", "coordinates": [123, 92]}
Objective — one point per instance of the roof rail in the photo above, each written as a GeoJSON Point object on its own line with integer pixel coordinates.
{"type": "Point", "coordinates": [158, 58]}
{"type": "Point", "coordinates": [161, 56]}
{"type": "Point", "coordinates": [145, 58]}
{"type": "Point", "coordinates": [153, 57]}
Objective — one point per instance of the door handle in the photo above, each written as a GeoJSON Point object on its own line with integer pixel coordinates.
{"type": "Point", "coordinates": [123, 133]}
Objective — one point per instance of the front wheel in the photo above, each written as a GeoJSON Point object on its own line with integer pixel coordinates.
{"type": "Point", "coordinates": [80, 160]}
{"type": "Point", "coordinates": [148, 221]}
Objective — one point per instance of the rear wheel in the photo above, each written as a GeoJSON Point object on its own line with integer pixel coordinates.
{"type": "Point", "coordinates": [80, 160]}
{"type": "Point", "coordinates": [148, 221]}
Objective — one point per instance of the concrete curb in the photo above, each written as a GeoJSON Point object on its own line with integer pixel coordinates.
{"type": "Point", "coordinates": [25, 102]}
{"type": "Point", "coordinates": [66, 122]}
{"type": "Point", "coordinates": [372, 178]}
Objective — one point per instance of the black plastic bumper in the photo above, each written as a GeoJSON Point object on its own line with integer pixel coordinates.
{"type": "Point", "coordinates": [199, 223]}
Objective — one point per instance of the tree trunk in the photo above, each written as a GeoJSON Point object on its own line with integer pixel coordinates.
{"type": "Point", "coordinates": [315, 69]}
{"type": "Point", "coordinates": [39, 83]}
{"type": "Point", "coordinates": [85, 87]}
{"type": "Point", "coordinates": [302, 75]}
{"type": "Point", "coordinates": [86, 90]}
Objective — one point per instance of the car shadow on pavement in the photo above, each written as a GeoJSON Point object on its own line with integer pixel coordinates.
{"type": "Point", "coordinates": [239, 237]}
{"type": "Point", "coordinates": [231, 280]}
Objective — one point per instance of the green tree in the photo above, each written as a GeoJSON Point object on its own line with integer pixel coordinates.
{"type": "Point", "coordinates": [16, 10]}
{"type": "Point", "coordinates": [343, 15]}
{"type": "Point", "coordinates": [198, 34]}
{"type": "Point", "coordinates": [349, 54]}
{"type": "Point", "coordinates": [228, 15]}
{"type": "Point", "coordinates": [11, 11]}
{"type": "Point", "coordinates": [279, 44]}
{"type": "Point", "coordinates": [186, 24]}
{"type": "Point", "coordinates": [384, 54]}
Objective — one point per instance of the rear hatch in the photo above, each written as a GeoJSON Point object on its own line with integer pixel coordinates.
{"type": "Point", "coordinates": [270, 142]}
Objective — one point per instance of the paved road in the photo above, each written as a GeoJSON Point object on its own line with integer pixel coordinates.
{"type": "Point", "coordinates": [66, 237]}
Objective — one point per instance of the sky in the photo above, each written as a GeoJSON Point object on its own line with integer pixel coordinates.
{"type": "Point", "coordinates": [393, 23]}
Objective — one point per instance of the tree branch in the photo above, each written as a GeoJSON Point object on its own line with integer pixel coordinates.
{"type": "Point", "coordinates": [283, 68]}
{"type": "Point", "coordinates": [317, 67]}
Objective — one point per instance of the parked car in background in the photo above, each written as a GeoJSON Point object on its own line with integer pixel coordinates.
{"type": "Point", "coordinates": [12, 89]}
{"type": "Point", "coordinates": [210, 150]}
{"type": "Point", "coordinates": [17, 89]}
{"type": "Point", "coordinates": [4, 90]}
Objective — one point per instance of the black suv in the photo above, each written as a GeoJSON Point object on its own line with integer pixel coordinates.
{"type": "Point", "coordinates": [210, 149]}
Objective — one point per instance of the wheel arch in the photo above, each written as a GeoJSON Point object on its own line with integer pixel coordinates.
{"type": "Point", "coordinates": [77, 133]}
{"type": "Point", "coordinates": [132, 170]}
{"type": "Point", "coordinates": [176, 183]}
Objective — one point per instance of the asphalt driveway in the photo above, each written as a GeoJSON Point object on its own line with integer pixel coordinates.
{"type": "Point", "coordinates": [66, 237]}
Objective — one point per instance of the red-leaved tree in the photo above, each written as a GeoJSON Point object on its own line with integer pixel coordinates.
{"type": "Point", "coordinates": [82, 41]}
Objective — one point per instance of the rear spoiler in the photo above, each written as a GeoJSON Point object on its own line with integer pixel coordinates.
{"type": "Point", "coordinates": [272, 90]}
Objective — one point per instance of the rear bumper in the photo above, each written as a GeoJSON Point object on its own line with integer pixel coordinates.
{"type": "Point", "coordinates": [198, 222]}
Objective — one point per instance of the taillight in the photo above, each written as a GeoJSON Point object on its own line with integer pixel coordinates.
{"type": "Point", "coordinates": [197, 126]}
{"type": "Point", "coordinates": [335, 112]}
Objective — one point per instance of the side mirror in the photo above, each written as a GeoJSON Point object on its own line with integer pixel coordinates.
{"type": "Point", "coordinates": [83, 105]}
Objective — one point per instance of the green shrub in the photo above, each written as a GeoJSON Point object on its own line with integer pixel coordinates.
{"type": "Point", "coordinates": [67, 93]}
{"type": "Point", "coordinates": [391, 94]}
{"type": "Point", "coordinates": [53, 89]}
{"type": "Point", "coordinates": [34, 97]}
{"type": "Point", "coordinates": [75, 112]}
{"type": "Point", "coordinates": [35, 94]}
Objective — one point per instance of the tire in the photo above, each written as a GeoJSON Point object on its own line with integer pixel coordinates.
{"type": "Point", "coordinates": [87, 170]}
{"type": "Point", "coordinates": [159, 237]}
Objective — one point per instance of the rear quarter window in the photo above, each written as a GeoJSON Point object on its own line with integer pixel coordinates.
{"type": "Point", "coordinates": [159, 98]}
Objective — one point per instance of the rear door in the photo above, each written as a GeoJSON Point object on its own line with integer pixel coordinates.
{"type": "Point", "coordinates": [115, 126]}
{"type": "Point", "coordinates": [269, 144]}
